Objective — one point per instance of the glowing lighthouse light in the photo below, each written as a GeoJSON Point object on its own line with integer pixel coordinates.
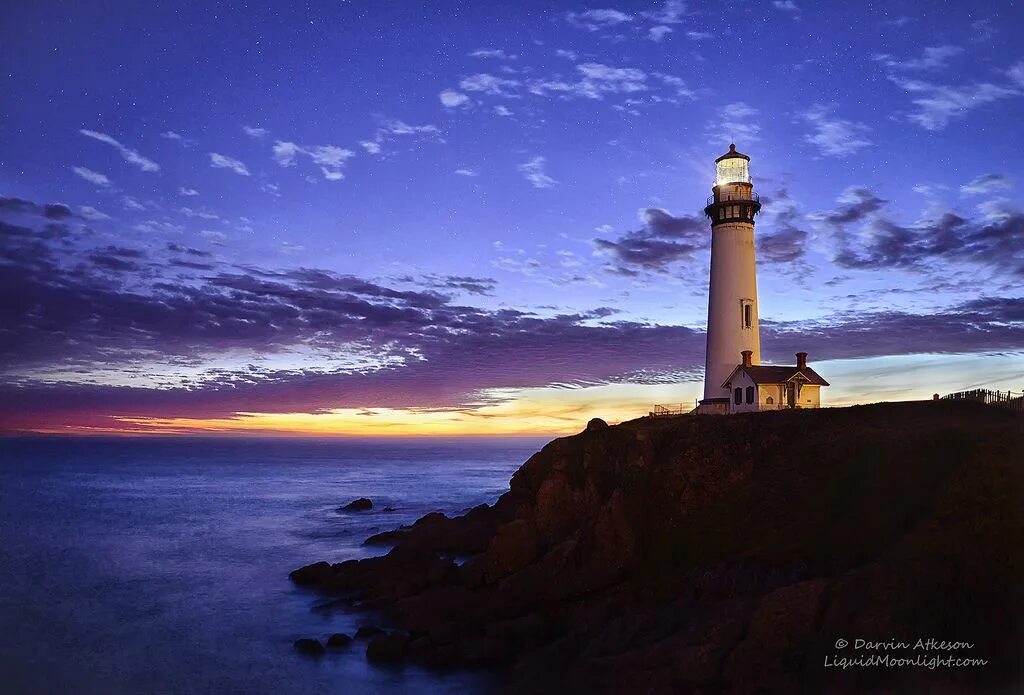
{"type": "Point", "coordinates": [732, 170]}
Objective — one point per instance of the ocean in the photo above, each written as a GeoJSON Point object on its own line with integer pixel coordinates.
{"type": "Point", "coordinates": [140, 565]}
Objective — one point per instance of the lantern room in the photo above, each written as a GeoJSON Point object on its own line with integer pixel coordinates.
{"type": "Point", "coordinates": [732, 167]}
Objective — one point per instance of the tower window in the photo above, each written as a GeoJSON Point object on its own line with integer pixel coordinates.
{"type": "Point", "coordinates": [750, 394]}
{"type": "Point", "coordinates": [747, 313]}
{"type": "Point", "coordinates": [737, 395]}
{"type": "Point", "coordinates": [721, 213]}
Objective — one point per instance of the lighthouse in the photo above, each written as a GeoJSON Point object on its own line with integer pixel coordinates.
{"type": "Point", "coordinates": [732, 297]}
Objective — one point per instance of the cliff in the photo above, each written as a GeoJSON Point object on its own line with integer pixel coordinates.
{"type": "Point", "coordinates": [726, 554]}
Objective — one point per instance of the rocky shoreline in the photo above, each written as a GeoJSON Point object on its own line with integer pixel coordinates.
{"type": "Point", "coordinates": [720, 554]}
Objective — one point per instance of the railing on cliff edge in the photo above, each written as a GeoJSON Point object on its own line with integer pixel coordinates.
{"type": "Point", "coordinates": [1011, 400]}
{"type": "Point", "coordinates": [669, 410]}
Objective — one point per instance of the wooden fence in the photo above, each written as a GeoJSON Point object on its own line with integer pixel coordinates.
{"type": "Point", "coordinates": [1012, 400]}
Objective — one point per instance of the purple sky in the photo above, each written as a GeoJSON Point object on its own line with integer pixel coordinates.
{"type": "Point", "coordinates": [451, 218]}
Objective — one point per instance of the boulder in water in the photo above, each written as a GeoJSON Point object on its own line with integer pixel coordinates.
{"type": "Point", "coordinates": [338, 640]}
{"type": "Point", "coordinates": [310, 647]}
{"type": "Point", "coordinates": [363, 504]}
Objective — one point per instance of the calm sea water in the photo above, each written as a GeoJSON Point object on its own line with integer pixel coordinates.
{"type": "Point", "coordinates": [142, 565]}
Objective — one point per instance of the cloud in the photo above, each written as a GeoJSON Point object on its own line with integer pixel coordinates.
{"type": "Point", "coordinates": [671, 12]}
{"type": "Point", "coordinates": [856, 203]}
{"type": "Point", "coordinates": [533, 171]}
{"type": "Point", "coordinates": [394, 128]}
{"type": "Point", "coordinates": [452, 99]}
{"type": "Point", "coordinates": [938, 104]}
{"type": "Point", "coordinates": [932, 58]}
{"type": "Point", "coordinates": [91, 176]}
{"type": "Point", "coordinates": [834, 136]}
{"type": "Point", "coordinates": [492, 53]}
{"type": "Point", "coordinates": [786, 6]}
{"type": "Point", "coordinates": [136, 322]}
{"type": "Point", "coordinates": [784, 246]}
{"type": "Point", "coordinates": [568, 55]}
{"type": "Point", "coordinates": [220, 161]}
{"type": "Point", "coordinates": [131, 156]}
{"type": "Point", "coordinates": [597, 20]}
{"type": "Point", "coordinates": [20, 206]}
{"type": "Point", "coordinates": [467, 172]}
{"type": "Point", "coordinates": [187, 192]}
{"type": "Point", "coordinates": [489, 84]}
{"type": "Point", "coordinates": [662, 241]}
{"type": "Point", "coordinates": [257, 133]}
{"type": "Point", "coordinates": [597, 80]}
{"type": "Point", "coordinates": [502, 110]}
{"type": "Point", "coordinates": [657, 33]}
{"type": "Point", "coordinates": [330, 158]}
{"type": "Point", "coordinates": [1016, 73]}
{"type": "Point", "coordinates": [734, 123]}
{"type": "Point", "coordinates": [91, 213]}
{"type": "Point", "coordinates": [178, 137]}
{"type": "Point", "coordinates": [986, 183]}
{"type": "Point", "coordinates": [867, 239]}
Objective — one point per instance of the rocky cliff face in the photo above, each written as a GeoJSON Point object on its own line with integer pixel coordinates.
{"type": "Point", "coordinates": [728, 554]}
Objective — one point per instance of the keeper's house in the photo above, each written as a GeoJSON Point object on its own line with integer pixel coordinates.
{"type": "Point", "coordinates": [755, 387]}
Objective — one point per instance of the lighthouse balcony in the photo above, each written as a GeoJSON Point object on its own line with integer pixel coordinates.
{"type": "Point", "coordinates": [745, 198]}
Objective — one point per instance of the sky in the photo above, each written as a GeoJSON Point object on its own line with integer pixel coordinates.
{"type": "Point", "coordinates": [366, 218]}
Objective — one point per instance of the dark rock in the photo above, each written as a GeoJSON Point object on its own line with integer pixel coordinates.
{"type": "Point", "coordinates": [338, 640]}
{"type": "Point", "coordinates": [310, 647]}
{"type": "Point", "coordinates": [387, 648]}
{"type": "Point", "coordinates": [389, 509]}
{"type": "Point", "coordinates": [316, 573]}
{"type": "Point", "coordinates": [713, 555]}
{"type": "Point", "coordinates": [368, 631]}
{"type": "Point", "coordinates": [360, 505]}
{"type": "Point", "coordinates": [596, 424]}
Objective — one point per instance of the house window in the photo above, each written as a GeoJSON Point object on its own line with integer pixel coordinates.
{"type": "Point", "coordinates": [769, 401]}
{"type": "Point", "coordinates": [738, 395]}
{"type": "Point", "coordinates": [750, 394]}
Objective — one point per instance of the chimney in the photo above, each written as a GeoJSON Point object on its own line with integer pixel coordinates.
{"type": "Point", "coordinates": [801, 360]}
{"type": "Point", "coordinates": [747, 354]}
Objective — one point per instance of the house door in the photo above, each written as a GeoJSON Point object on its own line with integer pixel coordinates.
{"type": "Point", "coordinates": [790, 395]}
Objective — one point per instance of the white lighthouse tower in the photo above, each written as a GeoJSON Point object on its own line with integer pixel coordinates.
{"type": "Point", "coordinates": [732, 297]}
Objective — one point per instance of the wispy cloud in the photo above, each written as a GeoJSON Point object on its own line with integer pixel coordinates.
{"type": "Point", "coordinates": [330, 158]}
{"type": "Point", "coordinates": [395, 128]}
{"type": "Point", "coordinates": [786, 6]}
{"type": "Point", "coordinates": [497, 53]}
{"type": "Point", "coordinates": [452, 99]}
{"type": "Point", "coordinates": [91, 176]}
{"type": "Point", "coordinates": [659, 32]}
{"type": "Point", "coordinates": [220, 161]}
{"type": "Point", "coordinates": [938, 104]}
{"type": "Point", "coordinates": [131, 156]}
{"type": "Point", "coordinates": [931, 58]}
{"type": "Point", "coordinates": [467, 172]}
{"type": "Point", "coordinates": [596, 20]}
{"type": "Point", "coordinates": [187, 191]}
{"type": "Point", "coordinates": [253, 132]}
{"type": "Point", "coordinates": [177, 137]}
{"type": "Point", "coordinates": [534, 172]}
{"type": "Point", "coordinates": [734, 123]}
{"type": "Point", "coordinates": [91, 213]}
{"type": "Point", "coordinates": [489, 84]}
{"type": "Point", "coordinates": [834, 136]}
{"type": "Point", "coordinates": [986, 183]}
